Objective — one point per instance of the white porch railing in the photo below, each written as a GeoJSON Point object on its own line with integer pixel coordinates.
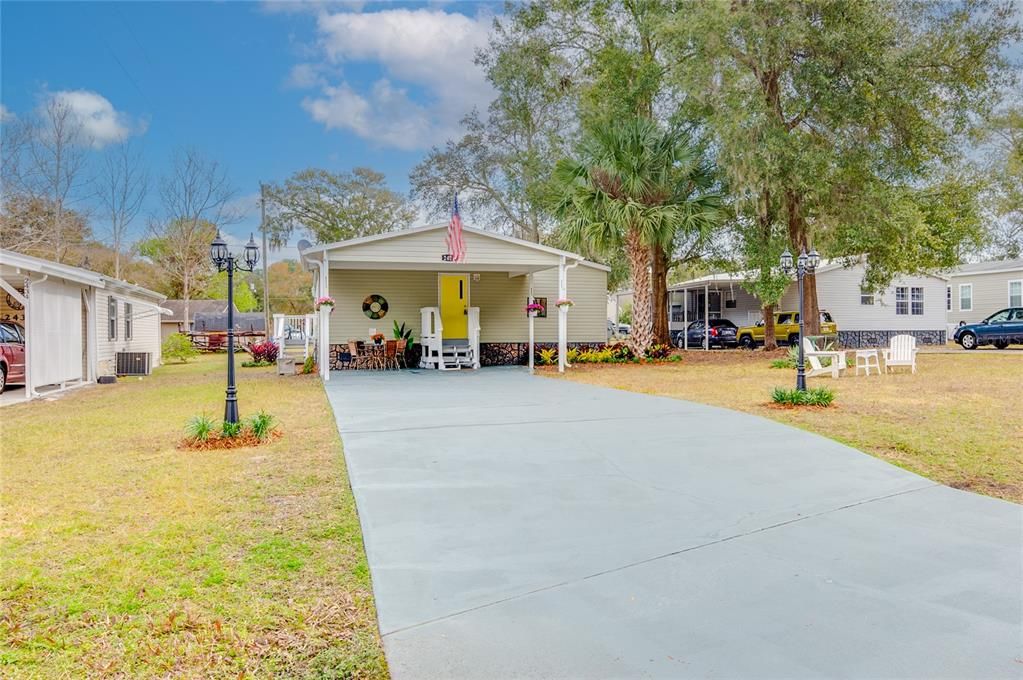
{"type": "Point", "coordinates": [295, 334]}
{"type": "Point", "coordinates": [454, 354]}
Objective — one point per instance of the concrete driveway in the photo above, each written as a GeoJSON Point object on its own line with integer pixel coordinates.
{"type": "Point", "coordinates": [519, 526]}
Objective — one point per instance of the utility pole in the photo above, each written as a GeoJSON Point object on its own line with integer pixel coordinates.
{"type": "Point", "coordinates": [266, 260]}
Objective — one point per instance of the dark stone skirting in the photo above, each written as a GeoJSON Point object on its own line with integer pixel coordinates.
{"type": "Point", "coordinates": [883, 338]}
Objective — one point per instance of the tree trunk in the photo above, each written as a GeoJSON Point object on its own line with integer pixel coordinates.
{"type": "Point", "coordinates": [770, 341]}
{"type": "Point", "coordinates": [812, 322]}
{"type": "Point", "coordinates": [800, 240]}
{"type": "Point", "coordinates": [641, 335]}
{"type": "Point", "coordinates": [659, 288]}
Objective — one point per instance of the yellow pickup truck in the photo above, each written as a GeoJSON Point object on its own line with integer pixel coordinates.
{"type": "Point", "coordinates": [786, 329]}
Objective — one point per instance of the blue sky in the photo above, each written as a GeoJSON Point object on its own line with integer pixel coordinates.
{"type": "Point", "coordinates": [266, 89]}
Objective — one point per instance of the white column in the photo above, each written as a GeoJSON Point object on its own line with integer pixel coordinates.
{"type": "Point", "coordinates": [685, 317]}
{"type": "Point", "coordinates": [531, 320]}
{"type": "Point", "coordinates": [706, 317]}
{"type": "Point", "coordinates": [324, 321]}
{"type": "Point", "coordinates": [562, 316]}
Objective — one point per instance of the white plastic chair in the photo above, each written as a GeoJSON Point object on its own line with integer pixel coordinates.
{"type": "Point", "coordinates": [900, 352]}
{"type": "Point", "coordinates": [814, 356]}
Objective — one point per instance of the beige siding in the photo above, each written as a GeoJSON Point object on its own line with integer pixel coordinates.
{"type": "Point", "coordinates": [990, 294]}
{"type": "Point", "coordinates": [838, 292]}
{"type": "Point", "coordinates": [428, 246]}
{"type": "Point", "coordinates": [500, 298]}
{"type": "Point", "coordinates": [145, 330]}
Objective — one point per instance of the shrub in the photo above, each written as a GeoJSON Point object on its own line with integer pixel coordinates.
{"type": "Point", "coordinates": [262, 424]}
{"type": "Point", "coordinates": [256, 364]}
{"type": "Point", "coordinates": [547, 357]}
{"type": "Point", "coordinates": [230, 430]}
{"type": "Point", "coordinates": [200, 428]}
{"type": "Point", "coordinates": [658, 351]}
{"type": "Point", "coordinates": [264, 352]}
{"type": "Point", "coordinates": [815, 396]}
{"type": "Point", "coordinates": [309, 365]}
{"type": "Point", "coordinates": [178, 346]}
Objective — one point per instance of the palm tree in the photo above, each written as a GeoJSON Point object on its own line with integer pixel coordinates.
{"type": "Point", "coordinates": [634, 185]}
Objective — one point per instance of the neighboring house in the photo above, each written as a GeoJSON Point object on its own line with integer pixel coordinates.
{"type": "Point", "coordinates": [77, 322]}
{"type": "Point", "coordinates": [913, 305]}
{"type": "Point", "coordinates": [216, 322]}
{"type": "Point", "coordinates": [406, 277]}
{"type": "Point", "coordinates": [175, 322]}
{"type": "Point", "coordinates": [976, 291]}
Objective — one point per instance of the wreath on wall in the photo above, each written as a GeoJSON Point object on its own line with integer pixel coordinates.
{"type": "Point", "coordinates": [375, 307]}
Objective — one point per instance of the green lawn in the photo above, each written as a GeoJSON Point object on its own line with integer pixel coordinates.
{"type": "Point", "coordinates": [125, 556]}
{"type": "Point", "coordinates": [957, 421]}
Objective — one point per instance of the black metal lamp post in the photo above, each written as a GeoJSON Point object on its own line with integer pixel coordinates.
{"type": "Point", "coordinates": [805, 264]}
{"type": "Point", "coordinates": [225, 261]}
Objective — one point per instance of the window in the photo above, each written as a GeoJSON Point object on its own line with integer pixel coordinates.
{"type": "Point", "coordinates": [111, 318]}
{"type": "Point", "coordinates": [866, 296]}
{"type": "Point", "coordinates": [127, 321]}
{"type": "Point", "coordinates": [901, 300]}
{"type": "Point", "coordinates": [965, 297]}
{"type": "Point", "coordinates": [948, 298]}
{"type": "Point", "coordinates": [783, 318]}
{"type": "Point", "coordinates": [1016, 293]}
{"type": "Point", "coordinates": [916, 301]}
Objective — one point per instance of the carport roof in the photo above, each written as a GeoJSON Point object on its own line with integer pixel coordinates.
{"type": "Point", "coordinates": [329, 248]}
{"type": "Point", "coordinates": [13, 264]}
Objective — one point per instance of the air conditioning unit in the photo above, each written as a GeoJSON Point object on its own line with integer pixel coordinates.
{"type": "Point", "coordinates": [133, 363]}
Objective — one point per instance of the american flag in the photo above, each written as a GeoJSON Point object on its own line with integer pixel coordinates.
{"type": "Point", "coordinates": [456, 244]}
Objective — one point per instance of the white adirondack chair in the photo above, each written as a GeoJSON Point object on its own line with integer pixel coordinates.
{"type": "Point", "coordinates": [900, 352]}
{"type": "Point", "coordinates": [813, 357]}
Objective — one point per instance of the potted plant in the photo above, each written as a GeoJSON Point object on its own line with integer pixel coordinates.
{"type": "Point", "coordinates": [325, 301]}
{"type": "Point", "coordinates": [534, 308]}
{"type": "Point", "coordinates": [377, 338]}
{"type": "Point", "coordinates": [564, 303]}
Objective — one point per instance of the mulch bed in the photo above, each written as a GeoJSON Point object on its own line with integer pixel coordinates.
{"type": "Point", "coordinates": [218, 442]}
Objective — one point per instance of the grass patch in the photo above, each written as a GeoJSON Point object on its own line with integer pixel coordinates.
{"type": "Point", "coordinates": [813, 396]}
{"type": "Point", "coordinates": [956, 421]}
{"type": "Point", "coordinates": [125, 556]}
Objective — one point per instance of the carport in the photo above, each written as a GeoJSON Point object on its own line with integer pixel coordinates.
{"type": "Point", "coordinates": [51, 301]}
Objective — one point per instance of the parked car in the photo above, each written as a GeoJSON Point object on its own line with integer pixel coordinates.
{"type": "Point", "coordinates": [721, 333]}
{"type": "Point", "coordinates": [619, 330]}
{"type": "Point", "coordinates": [786, 329]}
{"type": "Point", "coordinates": [12, 354]}
{"type": "Point", "coordinates": [1001, 329]}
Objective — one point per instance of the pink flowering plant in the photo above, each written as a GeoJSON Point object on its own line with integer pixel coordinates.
{"type": "Point", "coordinates": [564, 302]}
{"type": "Point", "coordinates": [534, 308]}
{"type": "Point", "coordinates": [325, 301]}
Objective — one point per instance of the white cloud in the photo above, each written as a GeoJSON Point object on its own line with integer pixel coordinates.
{"type": "Point", "coordinates": [101, 123]}
{"type": "Point", "coordinates": [304, 76]}
{"type": "Point", "coordinates": [426, 51]}
{"type": "Point", "coordinates": [6, 114]}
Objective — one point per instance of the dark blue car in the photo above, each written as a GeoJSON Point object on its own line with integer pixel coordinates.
{"type": "Point", "coordinates": [720, 334]}
{"type": "Point", "coordinates": [1000, 329]}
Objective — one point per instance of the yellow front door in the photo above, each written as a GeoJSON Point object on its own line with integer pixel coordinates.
{"type": "Point", "coordinates": [454, 305]}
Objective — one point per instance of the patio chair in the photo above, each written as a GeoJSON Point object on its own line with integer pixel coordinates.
{"type": "Point", "coordinates": [901, 351]}
{"type": "Point", "coordinates": [400, 350]}
{"type": "Point", "coordinates": [391, 354]}
{"type": "Point", "coordinates": [358, 360]}
{"type": "Point", "coordinates": [814, 356]}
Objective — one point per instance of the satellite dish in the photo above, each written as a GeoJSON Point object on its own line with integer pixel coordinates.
{"type": "Point", "coordinates": [304, 245]}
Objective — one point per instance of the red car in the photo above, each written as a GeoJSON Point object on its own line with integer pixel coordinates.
{"type": "Point", "coordinates": [12, 354]}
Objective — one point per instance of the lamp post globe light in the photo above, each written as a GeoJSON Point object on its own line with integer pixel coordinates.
{"type": "Point", "coordinates": [805, 264]}
{"type": "Point", "coordinates": [223, 260]}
